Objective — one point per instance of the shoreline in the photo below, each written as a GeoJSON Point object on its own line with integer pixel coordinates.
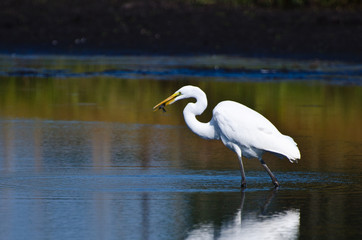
{"type": "Point", "coordinates": [37, 51]}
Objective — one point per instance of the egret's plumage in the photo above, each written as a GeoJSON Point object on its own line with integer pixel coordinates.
{"type": "Point", "coordinates": [251, 131]}
{"type": "Point", "coordinates": [243, 130]}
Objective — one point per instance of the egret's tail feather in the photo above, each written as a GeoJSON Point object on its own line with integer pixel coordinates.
{"type": "Point", "coordinates": [286, 147]}
{"type": "Point", "coordinates": [292, 153]}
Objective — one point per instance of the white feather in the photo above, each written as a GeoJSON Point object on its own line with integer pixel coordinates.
{"type": "Point", "coordinates": [240, 128]}
{"type": "Point", "coordinates": [252, 132]}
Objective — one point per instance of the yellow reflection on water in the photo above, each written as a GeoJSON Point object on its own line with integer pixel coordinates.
{"type": "Point", "coordinates": [324, 119]}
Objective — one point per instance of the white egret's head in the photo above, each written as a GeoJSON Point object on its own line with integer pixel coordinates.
{"type": "Point", "coordinates": [184, 92]}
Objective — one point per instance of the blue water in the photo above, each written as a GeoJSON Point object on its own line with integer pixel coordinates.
{"type": "Point", "coordinates": [77, 162]}
{"type": "Point", "coordinates": [67, 190]}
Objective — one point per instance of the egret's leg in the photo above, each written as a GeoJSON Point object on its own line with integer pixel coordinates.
{"type": "Point", "coordinates": [273, 178]}
{"type": "Point", "coordinates": [243, 180]}
{"type": "Point", "coordinates": [237, 150]}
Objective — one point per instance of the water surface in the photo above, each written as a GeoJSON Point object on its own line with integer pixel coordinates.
{"type": "Point", "coordinates": [83, 156]}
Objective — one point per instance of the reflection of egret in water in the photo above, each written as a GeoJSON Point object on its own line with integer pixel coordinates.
{"type": "Point", "coordinates": [253, 225]}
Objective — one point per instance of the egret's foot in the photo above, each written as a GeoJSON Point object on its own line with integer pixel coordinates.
{"type": "Point", "coordinates": [276, 183]}
{"type": "Point", "coordinates": [243, 184]}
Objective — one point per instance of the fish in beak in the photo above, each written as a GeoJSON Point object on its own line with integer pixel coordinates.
{"type": "Point", "coordinates": [167, 101]}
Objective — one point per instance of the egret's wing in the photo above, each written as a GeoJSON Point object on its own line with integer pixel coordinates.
{"type": "Point", "coordinates": [251, 131]}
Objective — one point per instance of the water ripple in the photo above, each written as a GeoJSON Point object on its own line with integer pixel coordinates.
{"type": "Point", "coordinates": [162, 180]}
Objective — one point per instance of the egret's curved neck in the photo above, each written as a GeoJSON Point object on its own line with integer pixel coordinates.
{"type": "Point", "coordinates": [204, 130]}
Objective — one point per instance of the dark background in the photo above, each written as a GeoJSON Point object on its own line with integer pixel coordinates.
{"type": "Point", "coordinates": [296, 28]}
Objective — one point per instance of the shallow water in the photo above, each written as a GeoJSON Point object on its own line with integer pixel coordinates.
{"type": "Point", "coordinates": [83, 156]}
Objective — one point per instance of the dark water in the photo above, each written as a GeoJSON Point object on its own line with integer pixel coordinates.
{"type": "Point", "coordinates": [83, 156]}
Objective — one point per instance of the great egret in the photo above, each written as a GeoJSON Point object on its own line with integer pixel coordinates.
{"type": "Point", "coordinates": [240, 128]}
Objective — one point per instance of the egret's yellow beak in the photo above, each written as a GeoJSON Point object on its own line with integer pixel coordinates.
{"type": "Point", "coordinates": [166, 102]}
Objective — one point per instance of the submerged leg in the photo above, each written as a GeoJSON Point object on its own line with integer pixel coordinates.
{"type": "Point", "coordinates": [273, 178]}
{"type": "Point", "coordinates": [267, 202]}
{"type": "Point", "coordinates": [242, 204]}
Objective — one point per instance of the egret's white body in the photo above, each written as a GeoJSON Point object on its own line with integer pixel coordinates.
{"type": "Point", "coordinates": [240, 128]}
